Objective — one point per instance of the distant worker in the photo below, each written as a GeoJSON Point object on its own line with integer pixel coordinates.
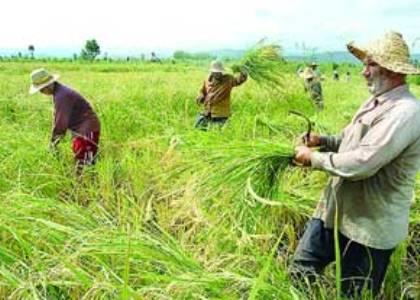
{"type": "Point", "coordinates": [215, 95]}
{"type": "Point", "coordinates": [154, 58]}
{"type": "Point", "coordinates": [71, 112]}
{"type": "Point", "coordinates": [313, 86]}
{"type": "Point", "coordinates": [336, 75]}
{"type": "Point", "coordinates": [348, 76]}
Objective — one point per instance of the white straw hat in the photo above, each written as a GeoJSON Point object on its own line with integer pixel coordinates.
{"type": "Point", "coordinates": [216, 66]}
{"type": "Point", "coordinates": [41, 78]}
{"type": "Point", "coordinates": [390, 52]}
{"type": "Point", "coordinates": [308, 73]}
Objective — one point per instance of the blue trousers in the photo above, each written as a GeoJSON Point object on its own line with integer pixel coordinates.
{"type": "Point", "coordinates": [361, 266]}
{"type": "Point", "coordinates": [204, 122]}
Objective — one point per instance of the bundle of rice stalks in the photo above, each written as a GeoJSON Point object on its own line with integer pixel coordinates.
{"type": "Point", "coordinates": [264, 64]}
{"type": "Point", "coordinates": [258, 164]}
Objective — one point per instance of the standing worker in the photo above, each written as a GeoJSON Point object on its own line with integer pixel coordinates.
{"type": "Point", "coordinates": [215, 95]}
{"type": "Point", "coordinates": [373, 165]}
{"type": "Point", "coordinates": [312, 85]}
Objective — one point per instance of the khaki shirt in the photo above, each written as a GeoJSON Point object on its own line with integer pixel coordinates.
{"type": "Point", "coordinates": [373, 166]}
{"type": "Point", "coordinates": [216, 94]}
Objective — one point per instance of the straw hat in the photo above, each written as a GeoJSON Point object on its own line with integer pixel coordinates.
{"type": "Point", "coordinates": [308, 73]}
{"type": "Point", "coordinates": [217, 67]}
{"type": "Point", "coordinates": [390, 52]}
{"type": "Point", "coordinates": [40, 78]}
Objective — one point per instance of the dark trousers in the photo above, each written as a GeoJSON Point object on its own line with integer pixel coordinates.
{"type": "Point", "coordinates": [361, 266]}
{"type": "Point", "coordinates": [204, 122]}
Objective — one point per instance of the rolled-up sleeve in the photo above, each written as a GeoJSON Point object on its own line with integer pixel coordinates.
{"type": "Point", "coordinates": [384, 141]}
{"type": "Point", "coordinates": [330, 143]}
{"type": "Point", "coordinates": [241, 78]}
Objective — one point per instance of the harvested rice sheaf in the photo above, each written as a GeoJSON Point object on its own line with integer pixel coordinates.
{"type": "Point", "coordinates": [264, 64]}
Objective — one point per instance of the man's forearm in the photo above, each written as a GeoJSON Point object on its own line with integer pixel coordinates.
{"type": "Point", "coordinates": [200, 99]}
{"type": "Point", "coordinates": [56, 137]}
{"type": "Point", "coordinates": [330, 143]}
{"type": "Point", "coordinates": [55, 140]}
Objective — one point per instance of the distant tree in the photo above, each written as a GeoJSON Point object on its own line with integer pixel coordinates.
{"type": "Point", "coordinates": [31, 50]}
{"type": "Point", "coordinates": [143, 56]}
{"type": "Point", "coordinates": [19, 54]}
{"type": "Point", "coordinates": [179, 54]}
{"type": "Point", "coordinates": [91, 50]}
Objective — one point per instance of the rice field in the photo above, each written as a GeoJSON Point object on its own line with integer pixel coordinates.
{"type": "Point", "coordinates": [169, 211]}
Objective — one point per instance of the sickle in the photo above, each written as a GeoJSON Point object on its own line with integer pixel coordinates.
{"type": "Point", "coordinates": [309, 123]}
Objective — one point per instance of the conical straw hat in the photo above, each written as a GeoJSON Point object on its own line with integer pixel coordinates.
{"type": "Point", "coordinates": [390, 52]}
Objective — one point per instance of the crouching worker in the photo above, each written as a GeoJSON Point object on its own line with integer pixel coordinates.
{"type": "Point", "coordinates": [72, 112]}
{"type": "Point", "coordinates": [215, 95]}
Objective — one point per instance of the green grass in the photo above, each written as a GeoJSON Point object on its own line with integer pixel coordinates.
{"type": "Point", "coordinates": [169, 212]}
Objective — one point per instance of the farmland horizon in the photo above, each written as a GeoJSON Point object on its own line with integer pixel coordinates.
{"type": "Point", "coordinates": [340, 55]}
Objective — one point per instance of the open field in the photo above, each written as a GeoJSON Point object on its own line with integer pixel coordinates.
{"type": "Point", "coordinates": [160, 216]}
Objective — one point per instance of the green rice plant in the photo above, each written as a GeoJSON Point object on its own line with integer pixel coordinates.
{"type": "Point", "coordinates": [220, 213]}
{"type": "Point", "coordinates": [264, 64]}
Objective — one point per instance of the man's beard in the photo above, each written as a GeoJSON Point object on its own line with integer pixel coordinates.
{"type": "Point", "coordinates": [379, 85]}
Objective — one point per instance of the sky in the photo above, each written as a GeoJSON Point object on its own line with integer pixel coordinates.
{"type": "Point", "coordinates": [164, 25]}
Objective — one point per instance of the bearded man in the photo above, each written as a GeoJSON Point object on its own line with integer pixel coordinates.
{"type": "Point", "coordinates": [373, 165]}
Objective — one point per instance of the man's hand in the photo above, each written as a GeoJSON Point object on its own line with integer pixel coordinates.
{"type": "Point", "coordinates": [200, 99]}
{"type": "Point", "coordinates": [313, 141]}
{"type": "Point", "coordinates": [302, 156]}
{"type": "Point", "coordinates": [52, 148]}
{"type": "Point", "coordinates": [55, 140]}
{"type": "Point", "coordinates": [236, 68]}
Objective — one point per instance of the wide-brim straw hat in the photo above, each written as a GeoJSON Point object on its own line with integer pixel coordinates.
{"type": "Point", "coordinates": [308, 73]}
{"type": "Point", "coordinates": [41, 78]}
{"type": "Point", "coordinates": [216, 66]}
{"type": "Point", "coordinates": [390, 52]}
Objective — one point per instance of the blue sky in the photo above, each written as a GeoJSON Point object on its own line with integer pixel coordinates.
{"type": "Point", "coordinates": [324, 25]}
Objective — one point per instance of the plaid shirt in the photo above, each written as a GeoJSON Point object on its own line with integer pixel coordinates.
{"type": "Point", "coordinates": [373, 164]}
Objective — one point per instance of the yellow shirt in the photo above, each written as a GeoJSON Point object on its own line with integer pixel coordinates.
{"type": "Point", "coordinates": [216, 94]}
